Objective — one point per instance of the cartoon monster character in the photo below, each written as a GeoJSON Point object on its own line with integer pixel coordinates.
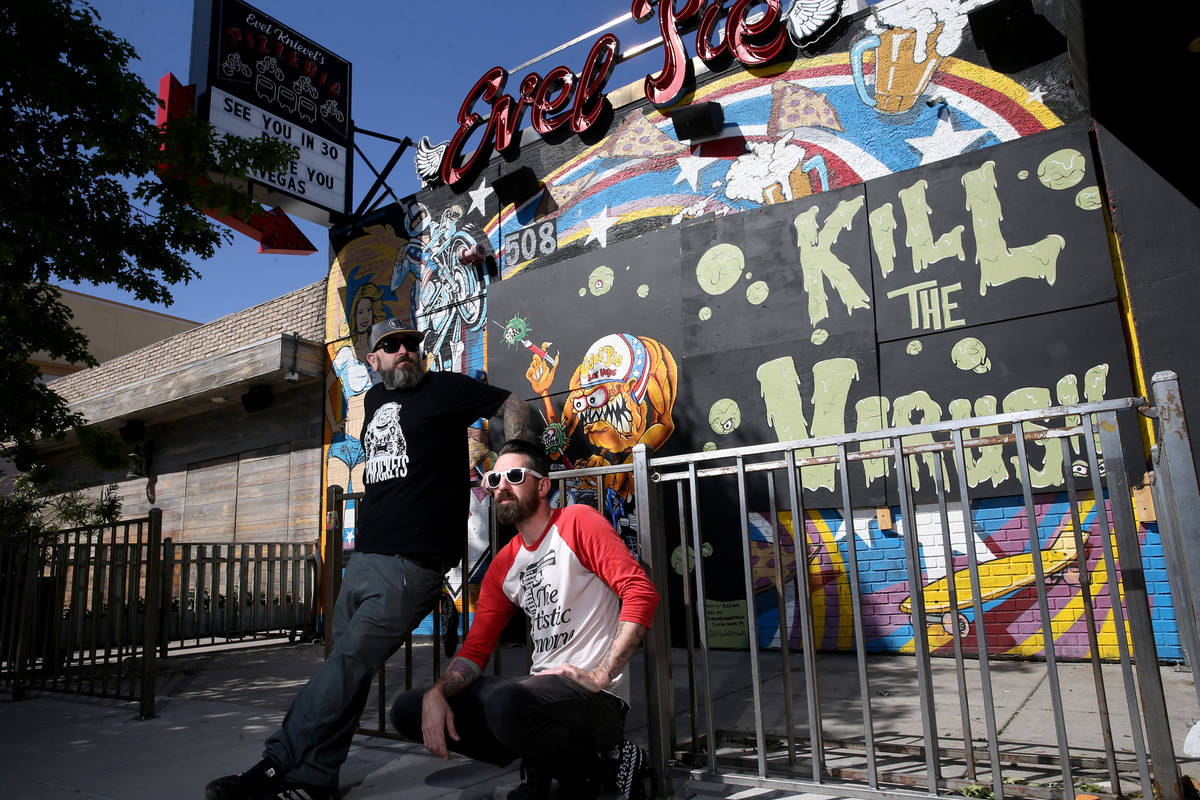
{"type": "Point", "coordinates": [622, 393]}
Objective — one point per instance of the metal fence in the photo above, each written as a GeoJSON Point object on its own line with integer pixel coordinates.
{"type": "Point", "coordinates": [781, 737]}
{"type": "Point", "coordinates": [219, 592]}
{"type": "Point", "coordinates": [83, 609]}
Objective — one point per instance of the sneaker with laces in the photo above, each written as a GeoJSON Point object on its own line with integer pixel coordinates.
{"type": "Point", "coordinates": [632, 768]}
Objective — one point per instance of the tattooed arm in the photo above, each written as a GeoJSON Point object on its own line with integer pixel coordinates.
{"type": "Point", "coordinates": [516, 418]}
{"type": "Point", "coordinates": [625, 642]}
{"type": "Point", "coordinates": [436, 717]}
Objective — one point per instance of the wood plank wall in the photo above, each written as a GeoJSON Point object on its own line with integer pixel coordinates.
{"type": "Point", "coordinates": [229, 476]}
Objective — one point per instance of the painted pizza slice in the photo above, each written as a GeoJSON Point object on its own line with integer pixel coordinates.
{"type": "Point", "coordinates": [641, 138]}
{"type": "Point", "coordinates": [796, 106]}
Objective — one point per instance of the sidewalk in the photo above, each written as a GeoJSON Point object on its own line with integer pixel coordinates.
{"type": "Point", "coordinates": [216, 708]}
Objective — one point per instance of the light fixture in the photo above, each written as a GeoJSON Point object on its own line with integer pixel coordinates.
{"type": "Point", "coordinates": [698, 121]}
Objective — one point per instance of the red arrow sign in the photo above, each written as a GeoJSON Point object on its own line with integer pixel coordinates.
{"type": "Point", "coordinates": [273, 230]}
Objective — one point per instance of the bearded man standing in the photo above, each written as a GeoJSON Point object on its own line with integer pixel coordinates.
{"type": "Point", "coordinates": [411, 521]}
{"type": "Point", "coordinates": [589, 604]}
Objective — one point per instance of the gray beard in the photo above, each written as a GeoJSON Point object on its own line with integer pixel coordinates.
{"type": "Point", "coordinates": [402, 376]}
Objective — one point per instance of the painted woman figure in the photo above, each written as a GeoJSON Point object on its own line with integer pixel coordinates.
{"type": "Point", "coordinates": [350, 371]}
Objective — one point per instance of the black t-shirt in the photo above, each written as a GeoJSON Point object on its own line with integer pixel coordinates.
{"type": "Point", "coordinates": [416, 501]}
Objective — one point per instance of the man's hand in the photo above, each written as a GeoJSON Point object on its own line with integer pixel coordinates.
{"type": "Point", "coordinates": [436, 721]}
{"type": "Point", "coordinates": [593, 680]}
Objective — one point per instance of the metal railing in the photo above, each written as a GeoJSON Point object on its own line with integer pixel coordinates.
{"type": "Point", "coordinates": [781, 736]}
{"type": "Point", "coordinates": [81, 611]}
{"type": "Point", "coordinates": [217, 592]}
{"type": "Point", "coordinates": [91, 610]}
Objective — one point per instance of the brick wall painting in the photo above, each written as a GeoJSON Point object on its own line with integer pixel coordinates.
{"type": "Point", "coordinates": [1002, 549]}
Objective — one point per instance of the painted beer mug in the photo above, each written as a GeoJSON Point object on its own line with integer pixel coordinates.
{"type": "Point", "coordinates": [899, 77]}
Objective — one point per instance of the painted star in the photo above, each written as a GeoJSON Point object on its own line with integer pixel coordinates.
{"type": "Point", "coordinates": [862, 528]}
{"type": "Point", "coordinates": [598, 227]}
{"type": "Point", "coordinates": [945, 141]}
{"type": "Point", "coordinates": [690, 168]}
{"type": "Point", "coordinates": [479, 197]}
{"type": "Point", "coordinates": [1037, 94]}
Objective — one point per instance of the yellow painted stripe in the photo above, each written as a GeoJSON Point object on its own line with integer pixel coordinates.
{"type": "Point", "coordinates": [845, 624]}
{"type": "Point", "coordinates": [1003, 84]}
{"type": "Point", "coordinates": [1131, 336]}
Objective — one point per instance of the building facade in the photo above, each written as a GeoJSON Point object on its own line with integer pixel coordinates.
{"type": "Point", "coordinates": [804, 223]}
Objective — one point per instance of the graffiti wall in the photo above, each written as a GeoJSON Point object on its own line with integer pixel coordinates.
{"type": "Point", "coordinates": [398, 264]}
{"type": "Point", "coordinates": [897, 222]}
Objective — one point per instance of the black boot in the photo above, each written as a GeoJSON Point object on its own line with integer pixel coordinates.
{"type": "Point", "coordinates": [535, 781]}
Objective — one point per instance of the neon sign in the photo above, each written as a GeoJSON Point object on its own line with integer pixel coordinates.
{"type": "Point", "coordinates": [750, 38]}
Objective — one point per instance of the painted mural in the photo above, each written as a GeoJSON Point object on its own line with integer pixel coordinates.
{"type": "Point", "coordinates": [883, 233]}
{"type": "Point", "coordinates": [793, 130]}
{"type": "Point", "coordinates": [401, 263]}
{"type": "Point", "coordinates": [1002, 549]}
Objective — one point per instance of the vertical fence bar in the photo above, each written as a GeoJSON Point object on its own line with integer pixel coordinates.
{"type": "Point", "coordinates": [24, 628]}
{"type": "Point", "coordinates": [816, 736]}
{"type": "Point", "coordinates": [210, 594]}
{"type": "Point", "coordinates": [58, 605]}
{"type": "Point", "coordinates": [154, 611]}
{"type": "Point", "coordinates": [702, 618]}
{"type": "Point", "coordinates": [1089, 615]}
{"type": "Point", "coordinates": [274, 596]}
{"type": "Point", "coordinates": [332, 579]}
{"type": "Point", "coordinates": [685, 572]}
{"type": "Point", "coordinates": [1039, 580]}
{"type": "Point", "coordinates": [781, 604]}
{"type": "Point", "coordinates": [188, 600]}
{"type": "Point", "coordinates": [245, 601]}
{"type": "Point", "coordinates": [908, 521]}
{"type": "Point", "coordinates": [296, 565]}
{"type": "Point", "coordinates": [1137, 607]}
{"type": "Point", "coordinates": [1116, 607]}
{"type": "Point", "coordinates": [955, 628]}
{"type": "Point", "coordinates": [860, 644]}
{"type": "Point", "coordinates": [1175, 464]}
{"type": "Point", "coordinates": [97, 584]}
{"type": "Point", "coordinates": [751, 622]}
{"type": "Point", "coordinates": [78, 610]}
{"type": "Point", "coordinates": [166, 583]}
{"type": "Point", "coordinates": [1169, 527]}
{"type": "Point", "coordinates": [652, 548]}
{"type": "Point", "coordinates": [231, 601]}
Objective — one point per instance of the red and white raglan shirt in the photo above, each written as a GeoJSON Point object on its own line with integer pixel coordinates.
{"type": "Point", "coordinates": [574, 585]}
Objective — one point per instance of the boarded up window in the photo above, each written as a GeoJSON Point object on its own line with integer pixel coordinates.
{"type": "Point", "coordinates": [261, 495]}
{"type": "Point", "coordinates": [210, 500]}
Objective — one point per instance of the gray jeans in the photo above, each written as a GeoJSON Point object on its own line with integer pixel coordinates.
{"type": "Point", "coordinates": [381, 601]}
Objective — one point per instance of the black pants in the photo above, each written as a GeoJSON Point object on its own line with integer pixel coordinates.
{"type": "Point", "coordinates": [542, 716]}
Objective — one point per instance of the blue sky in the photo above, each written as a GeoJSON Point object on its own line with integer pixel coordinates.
{"type": "Point", "coordinates": [413, 63]}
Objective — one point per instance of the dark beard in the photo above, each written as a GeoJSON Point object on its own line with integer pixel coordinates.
{"type": "Point", "coordinates": [402, 376]}
{"type": "Point", "coordinates": [514, 513]}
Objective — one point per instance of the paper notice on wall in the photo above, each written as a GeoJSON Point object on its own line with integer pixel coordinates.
{"type": "Point", "coordinates": [727, 624]}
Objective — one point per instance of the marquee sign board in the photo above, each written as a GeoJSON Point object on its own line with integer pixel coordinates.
{"type": "Point", "coordinates": [257, 77]}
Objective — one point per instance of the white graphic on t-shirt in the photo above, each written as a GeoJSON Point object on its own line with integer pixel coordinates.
{"type": "Point", "coordinates": [387, 452]}
{"type": "Point", "coordinates": [541, 603]}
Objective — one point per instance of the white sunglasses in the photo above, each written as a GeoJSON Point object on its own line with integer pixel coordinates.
{"type": "Point", "coordinates": [513, 475]}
